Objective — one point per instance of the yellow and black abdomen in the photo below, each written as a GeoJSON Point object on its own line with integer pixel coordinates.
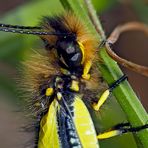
{"type": "Point", "coordinates": [58, 128]}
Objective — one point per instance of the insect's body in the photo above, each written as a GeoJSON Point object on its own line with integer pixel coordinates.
{"type": "Point", "coordinates": [67, 122]}
{"type": "Point", "coordinates": [58, 83]}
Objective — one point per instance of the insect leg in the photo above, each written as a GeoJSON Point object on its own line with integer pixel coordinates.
{"type": "Point", "coordinates": [86, 70]}
{"type": "Point", "coordinates": [107, 92]}
{"type": "Point", "coordinates": [121, 129]}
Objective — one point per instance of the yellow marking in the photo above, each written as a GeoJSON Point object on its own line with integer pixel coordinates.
{"type": "Point", "coordinates": [84, 125]}
{"type": "Point", "coordinates": [86, 70]}
{"type": "Point", "coordinates": [87, 65]}
{"type": "Point", "coordinates": [59, 96]}
{"type": "Point", "coordinates": [102, 99]}
{"type": "Point", "coordinates": [48, 135]}
{"type": "Point", "coordinates": [49, 91]}
{"type": "Point", "coordinates": [82, 50]}
{"type": "Point", "coordinates": [74, 85]}
{"type": "Point", "coordinates": [109, 134]}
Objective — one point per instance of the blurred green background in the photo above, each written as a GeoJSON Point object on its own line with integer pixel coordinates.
{"type": "Point", "coordinates": [15, 48]}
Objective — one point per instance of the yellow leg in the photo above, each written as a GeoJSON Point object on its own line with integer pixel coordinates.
{"type": "Point", "coordinates": [86, 70]}
{"type": "Point", "coordinates": [121, 129]}
{"type": "Point", "coordinates": [109, 134]}
{"type": "Point", "coordinates": [107, 92]}
{"type": "Point", "coordinates": [101, 101]}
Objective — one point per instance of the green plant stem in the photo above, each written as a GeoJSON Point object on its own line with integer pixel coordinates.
{"type": "Point", "coordinates": [124, 94]}
{"type": "Point", "coordinates": [94, 19]}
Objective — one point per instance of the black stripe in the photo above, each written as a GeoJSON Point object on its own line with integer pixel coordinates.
{"type": "Point", "coordinates": [66, 129]}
